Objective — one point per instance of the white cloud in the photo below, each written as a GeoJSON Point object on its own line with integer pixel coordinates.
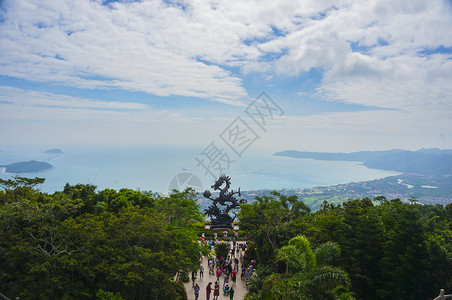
{"type": "Point", "coordinates": [374, 53]}
{"type": "Point", "coordinates": [165, 49]}
{"type": "Point", "coordinates": [389, 70]}
{"type": "Point", "coordinates": [42, 118]}
{"type": "Point", "coordinates": [22, 97]}
{"type": "Point", "coordinates": [363, 130]}
{"type": "Point", "coordinates": [145, 46]}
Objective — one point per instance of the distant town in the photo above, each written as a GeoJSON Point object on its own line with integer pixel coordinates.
{"type": "Point", "coordinates": [424, 189]}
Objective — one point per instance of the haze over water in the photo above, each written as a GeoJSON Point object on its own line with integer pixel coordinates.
{"type": "Point", "coordinates": [153, 169]}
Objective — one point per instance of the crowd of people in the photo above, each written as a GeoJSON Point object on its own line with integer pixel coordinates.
{"type": "Point", "coordinates": [225, 269]}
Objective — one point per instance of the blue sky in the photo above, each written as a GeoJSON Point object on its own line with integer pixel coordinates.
{"type": "Point", "coordinates": [349, 75]}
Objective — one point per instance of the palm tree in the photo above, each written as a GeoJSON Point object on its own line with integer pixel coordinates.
{"type": "Point", "coordinates": [308, 273]}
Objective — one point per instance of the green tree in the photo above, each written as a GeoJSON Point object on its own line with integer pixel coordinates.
{"type": "Point", "coordinates": [180, 208]}
{"type": "Point", "coordinates": [61, 247]}
{"type": "Point", "coordinates": [308, 273]}
{"type": "Point", "coordinates": [19, 188]}
{"type": "Point", "coordinates": [102, 295]}
{"type": "Point", "coordinates": [268, 220]}
{"type": "Point", "coordinates": [221, 250]}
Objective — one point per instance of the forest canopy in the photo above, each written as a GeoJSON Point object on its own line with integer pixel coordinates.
{"type": "Point", "coordinates": [83, 244]}
{"type": "Point", "coordinates": [373, 249]}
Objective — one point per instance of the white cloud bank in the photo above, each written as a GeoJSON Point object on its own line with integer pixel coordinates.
{"type": "Point", "coordinates": [394, 55]}
{"type": "Point", "coordinates": [39, 118]}
{"type": "Point", "coordinates": [186, 48]}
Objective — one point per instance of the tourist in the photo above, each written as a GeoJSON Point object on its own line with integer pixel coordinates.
{"type": "Point", "coordinates": [226, 290]}
{"type": "Point", "coordinates": [229, 268]}
{"type": "Point", "coordinates": [197, 288]}
{"type": "Point", "coordinates": [208, 290]}
{"type": "Point", "coordinates": [226, 279]}
{"type": "Point", "coordinates": [233, 275]}
{"type": "Point", "coordinates": [212, 267]}
{"type": "Point", "coordinates": [193, 277]}
{"type": "Point", "coordinates": [216, 291]}
{"type": "Point", "coordinates": [231, 293]}
{"type": "Point", "coordinates": [247, 274]}
{"type": "Point", "coordinates": [218, 273]}
{"type": "Point", "coordinates": [201, 272]}
{"type": "Point", "coordinates": [209, 263]}
{"type": "Point", "coordinates": [243, 276]}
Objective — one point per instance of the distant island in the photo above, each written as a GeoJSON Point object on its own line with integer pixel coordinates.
{"type": "Point", "coordinates": [31, 166]}
{"type": "Point", "coordinates": [424, 161]}
{"type": "Point", "coordinates": [54, 151]}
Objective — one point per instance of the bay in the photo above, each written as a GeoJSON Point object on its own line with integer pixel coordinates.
{"type": "Point", "coordinates": [153, 169]}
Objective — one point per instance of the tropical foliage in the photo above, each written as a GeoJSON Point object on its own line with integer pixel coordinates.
{"type": "Point", "coordinates": [221, 250]}
{"type": "Point", "coordinates": [86, 244]}
{"type": "Point", "coordinates": [83, 244]}
{"type": "Point", "coordinates": [308, 274]}
{"type": "Point", "coordinates": [373, 249]}
{"type": "Point", "coordinates": [269, 222]}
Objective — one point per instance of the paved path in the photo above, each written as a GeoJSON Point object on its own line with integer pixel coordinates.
{"type": "Point", "coordinates": [239, 285]}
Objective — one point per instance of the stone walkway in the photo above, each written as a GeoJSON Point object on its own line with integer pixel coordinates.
{"type": "Point", "coordinates": [239, 285]}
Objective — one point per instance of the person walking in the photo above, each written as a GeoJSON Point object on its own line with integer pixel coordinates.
{"type": "Point", "coordinates": [226, 279]}
{"type": "Point", "coordinates": [201, 272]}
{"type": "Point", "coordinates": [218, 273]}
{"type": "Point", "coordinates": [211, 267]}
{"type": "Point", "coordinates": [193, 278]}
{"type": "Point", "coordinates": [208, 290]}
{"type": "Point", "coordinates": [216, 291]}
{"type": "Point", "coordinates": [231, 293]}
{"type": "Point", "coordinates": [197, 288]}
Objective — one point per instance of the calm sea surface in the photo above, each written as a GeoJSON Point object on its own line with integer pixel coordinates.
{"type": "Point", "coordinates": [153, 169]}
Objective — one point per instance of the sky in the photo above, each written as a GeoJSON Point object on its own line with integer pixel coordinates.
{"type": "Point", "coordinates": [338, 76]}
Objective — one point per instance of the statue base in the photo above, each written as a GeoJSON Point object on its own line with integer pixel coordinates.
{"type": "Point", "coordinates": [222, 221]}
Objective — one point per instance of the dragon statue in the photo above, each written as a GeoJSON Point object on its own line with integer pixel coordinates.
{"type": "Point", "coordinates": [221, 218]}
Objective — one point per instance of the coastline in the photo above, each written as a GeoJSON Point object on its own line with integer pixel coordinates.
{"type": "Point", "coordinates": [153, 169]}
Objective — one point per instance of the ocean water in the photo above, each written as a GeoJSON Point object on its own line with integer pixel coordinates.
{"type": "Point", "coordinates": [153, 169]}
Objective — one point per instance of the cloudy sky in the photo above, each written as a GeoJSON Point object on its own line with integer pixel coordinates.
{"type": "Point", "coordinates": [347, 75]}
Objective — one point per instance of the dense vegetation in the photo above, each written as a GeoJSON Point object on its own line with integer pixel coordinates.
{"type": "Point", "coordinates": [83, 244]}
{"type": "Point", "coordinates": [86, 244]}
{"type": "Point", "coordinates": [387, 251]}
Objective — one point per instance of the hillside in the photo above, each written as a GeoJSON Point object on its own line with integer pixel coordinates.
{"type": "Point", "coordinates": [432, 189]}
{"type": "Point", "coordinates": [54, 151]}
{"type": "Point", "coordinates": [31, 166]}
{"type": "Point", "coordinates": [423, 161]}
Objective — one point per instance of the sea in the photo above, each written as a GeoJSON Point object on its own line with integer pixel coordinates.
{"type": "Point", "coordinates": [162, 169]}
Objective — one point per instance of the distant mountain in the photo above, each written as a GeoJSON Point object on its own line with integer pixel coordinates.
{"type": "Point", "coordinates": [355, 156]}
{"type": "Point", "coordinates": [423, 161]}
{"type": "Point", "coordinates": [435, 151]}
{"type": "Point", "coordinates": [31, 166]}
{"type": "Point", "coordinates": [54, 151]}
